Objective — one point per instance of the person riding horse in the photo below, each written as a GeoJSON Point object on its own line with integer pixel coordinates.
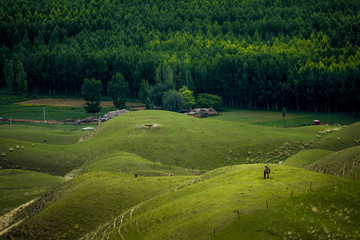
{"type": "Point", "coordinates": [267, 170]}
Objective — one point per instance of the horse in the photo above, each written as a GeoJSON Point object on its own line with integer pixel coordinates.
{"type": "Point", "coordinates": [266, 171]}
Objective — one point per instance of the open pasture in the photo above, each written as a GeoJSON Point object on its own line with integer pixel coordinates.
{"type": "Point", "coordinates": [19, 186]}
{"type": "Point", "coordinates": [292, 118]}
{"type": "Point", "coordinates": [56, 109]}
{"type": "Point", "coordinates": [191, 181]}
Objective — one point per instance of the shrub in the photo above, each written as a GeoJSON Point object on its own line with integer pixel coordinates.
{"type": "Point", "coordinates": [208, 100]}
{"type": "Point", "coordinates": [188, 97]}
{"type": "Point", "coordinates": [157, 93]}
{"type": "Point", "coordinates": [173, 101]}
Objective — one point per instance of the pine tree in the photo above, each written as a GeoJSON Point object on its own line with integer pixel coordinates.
{"type": "Point", "coordinates": [91, 90]}
{"type": "Point", "coordinates": [9, 75]}
{"type": "Point", "coordinates": [118, 89]}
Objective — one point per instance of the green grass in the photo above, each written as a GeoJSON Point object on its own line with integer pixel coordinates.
{"type": "Point", "coordinates": [343, 163]}
{"type": "Point", "coordinates": [123, 162]}
{"type": "Point", "coordinates": [326, 213]}
{"type": "Point", "coordinates": [212, 200]}
{"type": "Point", "coordinates": [180, 140]}
{"type": "Point", "coordinates": [14, 111]}
{"type": "Point", "coordinates": [47, 158]}
{"type": "Point", "coordinates": [255, 116]}
{"type": "Point", "coordinates": [210, 188]}
{"type": "Point", "coordinates": [341, 138]}
{"type": "Point", "coordinates": [187, 141]}
{"type": "Point", "coordinates": [11, 110]}
{"type": "Point", "coordinates": [19, 186]}
{"type": "Point", "coordinates": [307, 157]}
{"type": "Point", "coordinates": [32, 134]}
{"type": "Point", "coordinates": [49, 150]}
{"type": "Point", "coordinates": [292, 119]}
{"type": "Point", "coordinates": [91, 200]}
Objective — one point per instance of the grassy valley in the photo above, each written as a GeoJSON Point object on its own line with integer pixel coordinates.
{"type": "Point", "coordinates": [194, 180]}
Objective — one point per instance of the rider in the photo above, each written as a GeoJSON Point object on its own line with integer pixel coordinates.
{"type": "Point", "coordinates": [267, 167]}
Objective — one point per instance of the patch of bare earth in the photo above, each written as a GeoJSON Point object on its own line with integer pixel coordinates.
{"type": "Point", "coordinates": [67, 102]}
{"type": "Point", "coordinates": [64, 102]}
{"type": "Point", "coordinates": [37, 121]}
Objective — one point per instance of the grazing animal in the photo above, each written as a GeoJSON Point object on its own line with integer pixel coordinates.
{"type": "Point", "coordinates": [266, 172]}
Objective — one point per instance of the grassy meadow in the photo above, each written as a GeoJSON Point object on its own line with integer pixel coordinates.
{"type": "Point", "coordinates": [15, 107]}
{"type": "Point", "coordinates": [19, 186]}
{"type": "Point", "coordinates": [196, 178]}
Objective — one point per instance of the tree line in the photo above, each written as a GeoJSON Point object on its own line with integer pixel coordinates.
{"type": "Point", "coordinates": [259, 54]}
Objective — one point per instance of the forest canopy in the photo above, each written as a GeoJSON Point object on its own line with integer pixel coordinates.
{"type": "Point", "coordinates": [270, 54]}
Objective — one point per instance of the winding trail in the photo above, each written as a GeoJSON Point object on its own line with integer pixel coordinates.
{"type": "Point", "coordinates": [7, 218]}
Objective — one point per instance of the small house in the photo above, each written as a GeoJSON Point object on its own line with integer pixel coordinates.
{"type": "Point", "coordinates": [316, 122]}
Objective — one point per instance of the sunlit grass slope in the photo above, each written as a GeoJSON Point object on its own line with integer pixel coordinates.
{"type": "Point", "coordinates": [292, 118]}
{"type": "Point", "coordinates": [177, 140]}
{"type": "Point", "coordinates": [19, 186]}
{"type": "Point", "coordinates": [90, 200]}
{"type": "Point", "coordinates": [123, 162]}
{"type": "Point", "coordinates": [344, 163]}
{"type": "Point", "coordinates": [35, 135]}
{"type": "Point", "coordinates": [181, 140]}
{"type": "Point", "coordinates": [339, 138]}
{"type": "Point", "coordinates": [47, 158]}
{"type": "Point", "coordinates": [307, 157]}
{"type": "Point", "coordinates": [328, 213]}
{"type": "Point", "coordinates": [212, 201]}
{"type": "Point", "coordinates": [41, 149]}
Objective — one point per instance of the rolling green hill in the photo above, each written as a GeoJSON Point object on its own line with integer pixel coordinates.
{"type": "Point", "coordinates": [175, 139]}
{"type": "Point", "coordinates": [327, 213]}
{"type": "Point", "coordinates": [104, 190]}
{"type": "Point", "coordinates": [214, 200]}
{"type": "Point", "coordinates": [36, 135]}
{"type": "Point", "coordinates": [185, 207]}
{"type": "Point", "coordinates": [19, 186]}
{"type": "Point", "coordinates": [306, 157]}
{"type": "Point", "coordinates": [335, 138]}
{"type": "Point", "coordinates": [181, 140]}
{"type": "Point", "coordinates": [219, 198]}
{"type": "Point", "coordinates": [344, 163]}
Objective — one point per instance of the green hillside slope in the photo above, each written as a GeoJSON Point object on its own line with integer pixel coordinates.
{"type": "Point", "coordinates": [123, 162]}
{"type": "Point", "coordinates": [345, 163]}
{"type": "Point", "coordinates": [213, 201]}
{"type": "Point", "coordinates": [307, 157]}
{"type": "Point", "coordinates": [327, 213]}
{"type": "Point", "coordinates": [189, 182]}
{"type": "Point", "coordinates": [35, 135]}
{"type": "Point", "coordinates": [176, 140]}
{"type": "Point", "coordinates": [180, 140]}
{"type": "Point", "coordinates": [47, 158]}
{"type": "Point", "coordinates": [19, 186]}
{"type": "Point", "coordinates": [88, 201]}
{"type": "Point", "coordinates": [339, 137]}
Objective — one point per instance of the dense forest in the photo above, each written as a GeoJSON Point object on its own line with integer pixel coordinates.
{"type": "Point", "coordinates": [269, 54]}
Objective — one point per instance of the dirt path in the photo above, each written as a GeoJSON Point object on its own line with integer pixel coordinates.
{"type": "Point", "coordinates": [37, 121]}
{"type": "Point", "coordinates": [6, 219]}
